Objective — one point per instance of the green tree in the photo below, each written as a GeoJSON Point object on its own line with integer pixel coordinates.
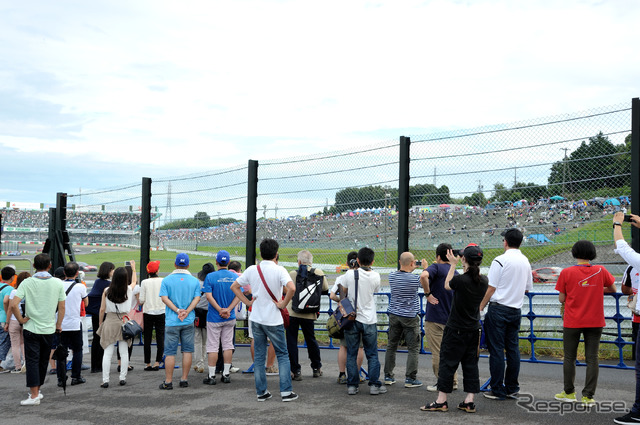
{"type": "Point", "coordinates": [476, 199]}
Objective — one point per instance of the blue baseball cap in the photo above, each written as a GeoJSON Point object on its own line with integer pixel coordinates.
{"type": "Point", "coordinates": [223, 258]}
{"type": "Point", "coordinates": [182, 260]}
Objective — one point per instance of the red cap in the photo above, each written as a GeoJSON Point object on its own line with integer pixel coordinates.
{"type": "Point", "coordinates": [153, 267]}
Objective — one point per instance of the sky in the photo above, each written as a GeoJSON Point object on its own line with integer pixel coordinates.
{"type": "Point", "coordinates": [100, 94]}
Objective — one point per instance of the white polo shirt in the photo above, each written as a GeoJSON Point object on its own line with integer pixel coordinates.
{"type": "Point", "coordinates": [263, 309]}
{"type": "Point", "coordinates": [510, 274]}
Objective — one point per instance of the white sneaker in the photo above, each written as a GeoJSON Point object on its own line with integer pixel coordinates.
{"type": "Point", "coordinates": [432, 388]}
{"type": "Point", "coordinates": [30, 401]}
{"type": "Point", "coordinates": [234, 369]}
{"type": "Point", "coordinates": [40, 396]}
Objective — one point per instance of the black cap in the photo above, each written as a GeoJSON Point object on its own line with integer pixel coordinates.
{"type": "Point", "coordinates": [473, 252]}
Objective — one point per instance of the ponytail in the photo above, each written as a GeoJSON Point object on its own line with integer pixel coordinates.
{"type": "Point", "coordinates": [473, 270]}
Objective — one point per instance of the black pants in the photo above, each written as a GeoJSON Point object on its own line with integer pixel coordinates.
{"type": "Point", "coordinates": [37, 348]}
{"type": "Point", "coordinates": [73, 341]}
{"type": "Point", "coordinates": [309, 337]}
{"type": "Point", "coordinates": [96, 349]}
{"type": "Point", "coordinates": [459, 347]}
{"type": "Point", "coordinates": [152, 321]}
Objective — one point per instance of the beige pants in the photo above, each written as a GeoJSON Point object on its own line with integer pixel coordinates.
{"type": "Point", "coordinates": [433, 332]}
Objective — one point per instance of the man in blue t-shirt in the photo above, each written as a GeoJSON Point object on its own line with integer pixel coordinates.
{"type": "Point", "coordinates": [438, 307]}
{"type": "Point", "coordinates": [180, 292]}
{"type": "Point", "coordinates": [221, 317]}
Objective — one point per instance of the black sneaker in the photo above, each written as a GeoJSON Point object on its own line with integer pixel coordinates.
{"type": "Point", "coordinates": [264, 397]}
{"type": "Point", "coordinates": [165, 386]}
{"type": "Point", "coordinates": [317, 373]}
{"type": "Point", "coordinates": [297, 376]}
{"type": "Point", "coordinates": [184, 384]}
{"type": "Point", "coordinates": [209, 380]}
{"type": "Point", "coordinates": [78, 381]}
{"type": "Point", "coordinates": [292, 396]}
{"type": "Point", "coordinates": [493, 396]}
{"type": "Point", "coordinates": [628, 419]}
{"type": "Point", "coordinates": [225, 379]}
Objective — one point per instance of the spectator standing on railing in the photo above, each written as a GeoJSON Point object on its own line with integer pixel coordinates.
{"type": "Point", "coordinates": [404, 320]}
{"type": "Point", "coordinates": [633, 259]}
{"type": "Point", "coordinates": [509, 280]}
{"type": "Point", "coordinates": [581, 289]}
{"type": "Point", "coordinates": [305, 321]}
{"type": "Point", "coordinates": [438, 307]}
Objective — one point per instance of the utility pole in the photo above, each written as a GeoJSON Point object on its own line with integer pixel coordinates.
{"type": "Point", "coordinates": [564, 171]}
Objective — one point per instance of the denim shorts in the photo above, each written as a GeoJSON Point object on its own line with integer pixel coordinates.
{"type": "Point", "coordinates": [184, 334]}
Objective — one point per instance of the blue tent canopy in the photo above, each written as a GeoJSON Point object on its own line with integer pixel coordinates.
{"type": "Point", "coordinates": [539, 237]}
{"type": "Point", "coordinates": [612, 201]}
{"type": "Point", "coordinates": [557, 198]}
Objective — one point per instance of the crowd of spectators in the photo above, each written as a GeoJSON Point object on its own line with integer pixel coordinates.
{"type": "Point", "coordinates": [75, 219]}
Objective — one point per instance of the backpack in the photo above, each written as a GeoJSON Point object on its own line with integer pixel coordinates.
{"type": "Point", "coordinates": [308, 292]}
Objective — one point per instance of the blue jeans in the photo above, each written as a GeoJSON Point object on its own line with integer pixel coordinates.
{"type": "Point", "coordinates": [369, 335]}
{"type": "Point", "coordinates": [501, 326]}
{"type": "Point", "coordinates": [277, 338]}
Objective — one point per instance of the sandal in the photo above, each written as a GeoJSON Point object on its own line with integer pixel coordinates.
{"type": "Point", "coordinates": [156, 368]}
{"type": "Point", "coordinates": [434, 407]}
{"type": "Point", "coordinates": [148, 368]}
{"type": "Point", "coordinates": [52, 371]}
{"type": "Point", "coordinates": [467, 407]}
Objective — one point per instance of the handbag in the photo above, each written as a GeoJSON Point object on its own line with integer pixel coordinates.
{"type": "Point", "coordinates": [130, 328]}
{"type": "Point", "coordinates": [283, 311]}
{"type": "Point", "coordinates": [345, 314]}
{"type": "Point", "coordinates": [137, 315]}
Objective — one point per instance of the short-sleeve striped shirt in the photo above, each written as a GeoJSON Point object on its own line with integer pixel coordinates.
{"type": "Point", "coordinates": [404, 294]}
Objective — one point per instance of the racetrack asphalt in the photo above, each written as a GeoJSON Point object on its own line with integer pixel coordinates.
{"type": "Point", "coordinates": [321, 401]}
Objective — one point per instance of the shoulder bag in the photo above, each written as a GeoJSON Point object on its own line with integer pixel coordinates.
{"type": "Point", "coordinates": [345, 313]}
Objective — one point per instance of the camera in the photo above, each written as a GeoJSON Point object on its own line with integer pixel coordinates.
{"type": "Point", "coordinates": [418, 263]}
{"type": "Point", "coordinates": [627, 217]}
{"type": "Point", "coordinates": [127, 263]}
{"type": "Point", "coordinates": [353, 263]}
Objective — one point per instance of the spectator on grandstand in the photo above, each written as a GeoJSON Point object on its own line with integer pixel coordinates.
{"type": "Point", "coordinates": [116, 302]}
{"type": "Point", "coordinates": [334, 294]}
{"type": "Point", "coordinates": [509, 279]}
{"type": "Point", "coordinates": [15, 329]}
{"type": "Point", "coordinates": [265, 280]}
{"type": "Point", "coordinates": [364, 327]}
{"type": "Point", "coordinates": [42, 293]}
{"type": "Point", "coordinates": [105, 272]}
{"type": "Point", "coordinates": [180, 292]}
{"type": "Point", "coordinates": [462, 333]}
{"type": "Point", "coordinates": [309, 281]}
{"type": "Point", "coordinates": [202, 308]}
{"type": "Point", "coordinates": [633, 259]}
{"type": "Point", "coordinates": [438, 307]}
{"type": "Point", "coordinates": [404, 320]}
{"type": "Point", "coordinates": [581, 289]}
{"type": "Point", "coordinates": [153, 315]}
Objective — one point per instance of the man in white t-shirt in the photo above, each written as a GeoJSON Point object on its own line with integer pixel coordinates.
{"type": "Point", "coordinates": [71, 335]}
{"type": "Point", "coordinates": [365, 326]}
{"type": "Point", "coordinates": [266, 318]}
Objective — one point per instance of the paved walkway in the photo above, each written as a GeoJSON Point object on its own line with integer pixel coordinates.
{"type": "Point", "coordinates": [321, 400]}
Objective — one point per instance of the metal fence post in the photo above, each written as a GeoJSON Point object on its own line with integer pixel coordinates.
{"type": "Point", "coordinates": [403, 193]}
{"type": "Point", "coordinates": [252, 209]}
{"type": "Point", "coordinates": [635, 169]}
{"type": "Point", "coordinates": [145, 228]}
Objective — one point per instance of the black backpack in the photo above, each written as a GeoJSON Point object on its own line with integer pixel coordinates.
{"type": "Point", "coordinates": [308, 292]}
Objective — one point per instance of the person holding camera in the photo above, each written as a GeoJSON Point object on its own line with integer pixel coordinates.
{"type": "Point", "coordinates": [461, 336]}
{"type": "Point", "coordinates": [632, 258]}
{"type": "Point", "coordinates": [438, 307]}
{"type": "Point", "coordinates": [404, 320]}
